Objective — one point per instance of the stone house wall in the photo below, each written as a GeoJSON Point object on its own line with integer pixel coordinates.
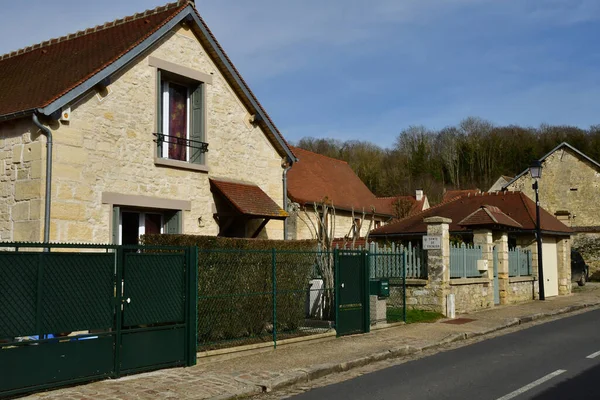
{"type": "Point", "coordinates": [588, 244]}
{"type": "Point", "coordinates": [109, 146]}
{"type": "Point", "coordinates": [21, 181]}
{"type": "Point", "coordinates": [569, 183]}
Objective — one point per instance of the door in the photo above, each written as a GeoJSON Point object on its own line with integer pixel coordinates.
{"type": "Point", "coordinates": [550, 265]}
{"type": "Point", "coordinates": [496, 285]}
{"type": "Point", "coordinates": [352, 306]}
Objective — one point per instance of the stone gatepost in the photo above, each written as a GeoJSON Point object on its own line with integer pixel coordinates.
{"type": "Point", "coordinates": [438, 263]}
{"type": "Point", "coordinates": [503, 279]}
{"type": "Point", "coordinates": [563, 247]}
{"type": "Point", "coordinates": [484, 238]}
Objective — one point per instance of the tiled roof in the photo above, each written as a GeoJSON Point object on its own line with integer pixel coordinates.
{"type": "Point", "coordinates": [247, 199]}
{"type": "Point", "coordinates": [489, 215]}
{"type": "Point", "coordinates": [316, 178]}
{"type": "Point", "coordinates": [37, 75]}
{"type": "Point", "coordinates": [385, 205]}
{"type": "Point", "coordinates": [515, 205]}
{"type": "Point", "coordinates": [453, 194]}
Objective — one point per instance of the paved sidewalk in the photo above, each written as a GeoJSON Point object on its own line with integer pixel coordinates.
{"type": "Point", "coordinates": [268, 370]}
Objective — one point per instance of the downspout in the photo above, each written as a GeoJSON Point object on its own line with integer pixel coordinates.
{"type": "Point", "coordinates": [47, 200]}
{"type": "Point", "coordinates": [286, 167]}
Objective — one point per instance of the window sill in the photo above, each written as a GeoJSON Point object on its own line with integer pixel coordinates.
{"type": "Point", "coordinates": [468, 281]}
{"type": "Point", "coordinates": [516, 279]}
{"type": "Point", "coordinates": [165, 162]}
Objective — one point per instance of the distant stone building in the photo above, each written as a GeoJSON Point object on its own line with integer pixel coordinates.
{"type": "Point", "coordinates": [500, 183]}
{"type": "Point", "coordinates": [570, 189]}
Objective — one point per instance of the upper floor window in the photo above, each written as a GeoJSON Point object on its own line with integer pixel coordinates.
{"type": "Point", "coordinates": [181, 115]}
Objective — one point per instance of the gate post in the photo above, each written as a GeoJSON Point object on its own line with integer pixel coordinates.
{"type": "Point", "coordinates": [192, 306]}
{"type": "Point", "coordinates": [438, 264]}
{"type": "Point", "coordinates": [503, 273]}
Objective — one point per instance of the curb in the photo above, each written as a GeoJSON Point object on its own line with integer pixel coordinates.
{"type": "Point", "coordinates": [317, 371]}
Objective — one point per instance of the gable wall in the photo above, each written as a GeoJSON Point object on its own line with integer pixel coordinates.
{"type": "Point", "coordinates": [108, 146]}
{"type": "Point", "coordinates": [564, 170]}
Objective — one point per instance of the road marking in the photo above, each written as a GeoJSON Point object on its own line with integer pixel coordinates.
{"type": "Point", "coordinates": [594, 355]}
{"type": "Point", "coordinates": [532, 385]}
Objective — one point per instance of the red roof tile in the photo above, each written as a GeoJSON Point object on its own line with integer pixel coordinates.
{"type": "Point", "coordinates": [386, 205]}
{"type": "Point", "coordinates": [248, 199]}
{"type": "Point", "coordinates": [35, 76]}
{"type": "Point", "coordinates": [489, 215]}
{"type": "Point", "coordinates": [452, 194]}
{"type": "Point", "coordinates": [515, 205]}
{"type": "Point", "coordinates": [316, 178]}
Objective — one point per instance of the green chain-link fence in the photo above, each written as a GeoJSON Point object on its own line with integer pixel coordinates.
{"type": "Point", "coordinates": [254, 296]}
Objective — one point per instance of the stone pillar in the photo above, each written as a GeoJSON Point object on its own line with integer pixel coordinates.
{"type": "Point", "coordinates": [503, 280]}
{"type": "Point", "coordinates": [438, 263]}
{"type": "Point", "coordinates": [563, 247]}
{"type": "Point", "coordinates": [483, 238]}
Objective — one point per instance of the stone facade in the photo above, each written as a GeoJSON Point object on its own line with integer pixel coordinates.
{"type": "Point", "coordinates": [21, 181]}
{"type": "Point", "coordinates": [108, 146]}
{"type": "Point", "coordinates": [301, 228]}
{"type": "Point", "coordinates": [569, 183]}
{"type": "Point", "coordinates": [588, 244]}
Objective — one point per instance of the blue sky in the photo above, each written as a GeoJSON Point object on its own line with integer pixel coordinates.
{"type": "Point", "coordinates": [365, 70]}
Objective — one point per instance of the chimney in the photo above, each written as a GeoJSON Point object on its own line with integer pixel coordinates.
{"type": "Point", "coordinates": [419, 194]}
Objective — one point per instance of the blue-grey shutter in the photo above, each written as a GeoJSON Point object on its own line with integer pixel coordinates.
{"type": "Point", "coordinates": [197, 124]}
{"type": "Point", "coordinates": [116, 211]}
{"type": "Point", "coordinates": [173, 222]}
{"type": "Point", "coordinates": [159, 121]}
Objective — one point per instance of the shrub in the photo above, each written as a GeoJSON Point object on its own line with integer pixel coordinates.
{"type": "Point", "coordinates": [235, 284]}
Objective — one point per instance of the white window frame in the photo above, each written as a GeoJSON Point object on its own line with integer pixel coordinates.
{"type": "Point", "coordinates": [165, 119]}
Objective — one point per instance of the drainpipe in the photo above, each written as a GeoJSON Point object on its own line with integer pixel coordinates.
{"type": "Point", "coordinates": [286, 167]}
{"type": "Point", "coordinates": [47, 200]}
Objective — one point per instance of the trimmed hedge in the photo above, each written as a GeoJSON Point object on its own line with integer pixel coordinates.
{"type": "Point", "coordinates": [235, 285]}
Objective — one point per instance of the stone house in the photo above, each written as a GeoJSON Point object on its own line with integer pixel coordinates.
{"type": "Point", "coordinates": [503, 221]}
{"type": "Point", "coordinates": [152, 130]}
{"type": "Point", "coordinates": [318, 179]}
{"type": "Point", "coordinates": [500, 183]}
{"type": "Point", "coordinates": [569, 188]}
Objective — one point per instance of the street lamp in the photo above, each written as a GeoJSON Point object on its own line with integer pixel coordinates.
{"type": "Point", "coordinates": [536, 173]}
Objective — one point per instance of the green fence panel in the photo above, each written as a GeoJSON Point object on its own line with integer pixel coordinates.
{"type": "Point", "coordinates": [18, 294]}
{"type": "Point", "coordinates": [154, 288]}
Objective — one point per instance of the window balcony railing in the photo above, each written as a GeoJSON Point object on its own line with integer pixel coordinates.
{"type": "Point", "coordinates": [195, 145]}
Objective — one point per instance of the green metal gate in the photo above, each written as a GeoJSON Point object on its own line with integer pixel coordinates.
{"type": "Point", "coordinates": [352, 292]}
{"type": "Point", "coordinates": [75, 313]}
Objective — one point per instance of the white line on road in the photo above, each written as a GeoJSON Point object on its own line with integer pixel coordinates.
{"type": "Point", "coordinates": [594, 355]}
{"type": "Point", "coordinates": [532, 385]}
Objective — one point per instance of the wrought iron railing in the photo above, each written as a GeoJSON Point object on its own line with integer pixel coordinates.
{"type": "Point", "coordinates": [161, 138]}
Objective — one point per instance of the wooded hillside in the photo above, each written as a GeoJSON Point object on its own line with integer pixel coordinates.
{"type": "Point", "coordinates": [471, 155]}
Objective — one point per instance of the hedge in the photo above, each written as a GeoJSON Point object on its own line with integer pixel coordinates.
{"type": "Point", "coordinates": [235, 285]}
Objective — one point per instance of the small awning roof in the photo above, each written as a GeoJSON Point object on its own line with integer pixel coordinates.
{"type": "Point", "coordinates": [248, 199]}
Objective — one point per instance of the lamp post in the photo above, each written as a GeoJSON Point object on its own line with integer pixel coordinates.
{"type": "Point", "coordinates": [536, 173]}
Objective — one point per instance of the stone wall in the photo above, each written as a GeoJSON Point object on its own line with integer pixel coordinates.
{"type": "Point", "coordinates": [21, 181]}
{"type": "Point", "coordinates": [419, 297]}
{"type": "Point", "coordinates": [472, 297]}
{"type": "Point", "coordinates": [568, 183]}
{"type": "Point", "coordinates": [521, 289]}
{"type": "Point", "coordinates": [300, 227]}
{"type": "Point", "coordinates": [588, 244]}
{"type": "Point", "coordinates": [109, 146]}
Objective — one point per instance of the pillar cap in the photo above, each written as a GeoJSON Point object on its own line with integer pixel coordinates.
{"type": "Point", "coordinates": [437, 220]}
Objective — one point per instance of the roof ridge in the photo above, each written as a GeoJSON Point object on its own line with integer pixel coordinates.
{"type": "Point", "coordinates": [97, 28]}
{"type": "Point", "coordinates": [321, 155]}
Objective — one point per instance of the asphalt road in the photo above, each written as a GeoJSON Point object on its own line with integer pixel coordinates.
{"type": "Point", "coordinates": [556, 360]}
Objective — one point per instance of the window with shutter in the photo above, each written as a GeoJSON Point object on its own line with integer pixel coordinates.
{"type": "Point", "coordinates": [129, 224]}
{"type": "Point", "coordinates": [181, 123]}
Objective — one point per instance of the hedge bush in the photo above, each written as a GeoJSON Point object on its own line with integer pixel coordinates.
{"type": "Point", "coordinates": [235, 284]}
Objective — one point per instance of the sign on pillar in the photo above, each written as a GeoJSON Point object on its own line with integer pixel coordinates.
{"type": "Point", "coordinates": [432, 242]}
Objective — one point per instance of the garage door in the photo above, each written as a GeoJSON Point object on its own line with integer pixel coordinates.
{"type": "Point", "coordinates": [550, 259]}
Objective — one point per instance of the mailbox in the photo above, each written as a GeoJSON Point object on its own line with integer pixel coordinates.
{"type": "Point", "coordinates": [380, 287]}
